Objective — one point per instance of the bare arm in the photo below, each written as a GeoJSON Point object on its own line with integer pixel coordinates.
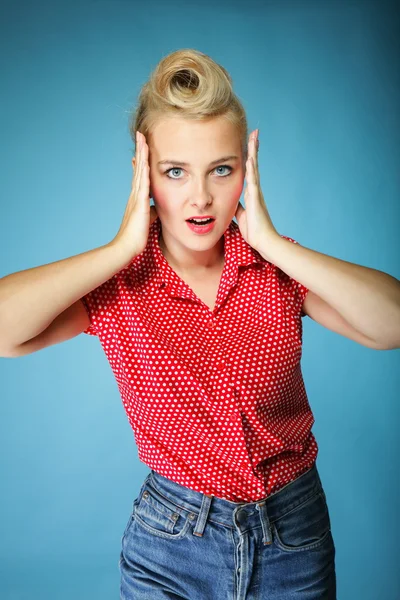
{"type": "Point", "coordinates": [31, 300]}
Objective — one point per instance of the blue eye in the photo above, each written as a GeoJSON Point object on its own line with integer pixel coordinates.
{"type": "Point", "coordinates": [179, 169]}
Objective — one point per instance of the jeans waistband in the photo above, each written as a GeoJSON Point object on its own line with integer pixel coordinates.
{"type": "Point", "coordinates": [204, 507]}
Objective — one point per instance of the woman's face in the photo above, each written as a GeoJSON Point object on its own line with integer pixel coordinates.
{"type": "Point", "coordinates": [208, 184]}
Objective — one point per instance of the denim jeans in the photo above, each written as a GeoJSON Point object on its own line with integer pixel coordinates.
{"type": "Point", "coordinates": [183, 544]}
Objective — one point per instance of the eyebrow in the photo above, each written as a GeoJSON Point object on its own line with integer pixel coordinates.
{"type": "Point", "coordinates": [185, 164]}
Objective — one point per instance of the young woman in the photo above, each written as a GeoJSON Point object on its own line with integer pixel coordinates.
{"type": "Point", "coordinates": [200, 319]}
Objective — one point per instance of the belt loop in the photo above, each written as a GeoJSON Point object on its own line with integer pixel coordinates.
{"type": "Point", "coordinates": [203, 514]}
{"type": "Point", "coordinates": [265, 524]}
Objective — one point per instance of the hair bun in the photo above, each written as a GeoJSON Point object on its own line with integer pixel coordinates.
{"type": "Point", "coordinates": [188, 83]}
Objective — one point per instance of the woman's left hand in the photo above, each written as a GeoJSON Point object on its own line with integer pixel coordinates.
{"type": "Point", "coordinates": [254, 221]}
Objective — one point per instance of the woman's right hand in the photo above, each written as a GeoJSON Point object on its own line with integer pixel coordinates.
{"type": "Point", "coordinates": [139, 215]}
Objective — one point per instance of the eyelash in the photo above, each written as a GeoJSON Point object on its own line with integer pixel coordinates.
{"type": "Point", "coordinates": [180, 169]}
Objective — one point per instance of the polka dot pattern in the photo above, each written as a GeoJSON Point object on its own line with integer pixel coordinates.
{"type": "Point", "coordinates": [216, 399]}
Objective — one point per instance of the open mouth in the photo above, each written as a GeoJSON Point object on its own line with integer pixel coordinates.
{"type": "Point", "coordinates": [203, 226]}
{"type": "Point", "coordinates": [201, 222]}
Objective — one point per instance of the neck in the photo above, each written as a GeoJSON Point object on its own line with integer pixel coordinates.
{"type": "Point", "coordinates": [201, 263]}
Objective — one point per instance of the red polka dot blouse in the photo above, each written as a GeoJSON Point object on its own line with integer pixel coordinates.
{"type": "Point", "coordinates": [216, 399]}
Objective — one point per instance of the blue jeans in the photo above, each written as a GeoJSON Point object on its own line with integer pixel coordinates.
{"type": "Point", "coordinates": [182, 544]}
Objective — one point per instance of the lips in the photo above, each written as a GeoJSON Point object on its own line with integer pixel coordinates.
{"type": "Point", "coordinates": [203, 228]}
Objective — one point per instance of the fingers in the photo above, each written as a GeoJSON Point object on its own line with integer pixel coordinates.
{"type": "Point", "coordinates": [143, 166]}
{"type": "Point", "coordinates": [138, 163]}
{"type": "Point", "coordinates": [138, 157]}
{"type": "Point", "coordinates": [252, 166]}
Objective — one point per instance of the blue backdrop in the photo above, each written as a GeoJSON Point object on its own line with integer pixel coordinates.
{"type": "Point", "coordinates": [321, 81]}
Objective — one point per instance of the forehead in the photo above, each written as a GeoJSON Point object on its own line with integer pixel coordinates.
{"type": "Point", "coordinates": [176, 134]}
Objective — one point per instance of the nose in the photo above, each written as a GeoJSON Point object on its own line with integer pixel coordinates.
{"type": "Point", "coordinates": [201, 196]}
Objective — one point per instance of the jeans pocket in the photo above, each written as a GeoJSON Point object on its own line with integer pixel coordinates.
{"type": "Point", "coordinates": [159, 516]}
{"type": "Point", "coordinates": [306, 527]}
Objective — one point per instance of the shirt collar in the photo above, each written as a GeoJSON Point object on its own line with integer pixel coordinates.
{"type": "Point", "coordinates": [238, 253]}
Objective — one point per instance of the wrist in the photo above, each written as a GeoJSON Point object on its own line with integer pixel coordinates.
{"type": "Point", "coordinates": [124, 251]}
{"type": "Point", "coordinates": [270, 248]}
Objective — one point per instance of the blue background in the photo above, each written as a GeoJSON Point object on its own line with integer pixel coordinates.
{"type": "Point", "coordinates": [321, 80]}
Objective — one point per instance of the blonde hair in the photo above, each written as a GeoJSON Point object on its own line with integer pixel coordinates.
{"type": "Point", "coordinates": [188, 84]}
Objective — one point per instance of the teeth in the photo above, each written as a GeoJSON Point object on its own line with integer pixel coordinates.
{"type": "Point", "coordinates": [200, 221]}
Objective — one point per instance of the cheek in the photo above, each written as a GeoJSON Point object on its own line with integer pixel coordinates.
{"type": "Point", "coordinates": [159, 195]}
{"type": "Point", "coordinates": [237, 191]}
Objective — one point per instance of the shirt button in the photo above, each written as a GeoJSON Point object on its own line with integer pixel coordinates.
{"type": "Point", "coordinates": [220, 366]}
{"type": "Point", "coordinates": [211, 324]}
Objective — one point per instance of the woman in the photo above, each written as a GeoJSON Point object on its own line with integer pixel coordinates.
{"type": "Point", "coordinates": [201, 324]}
